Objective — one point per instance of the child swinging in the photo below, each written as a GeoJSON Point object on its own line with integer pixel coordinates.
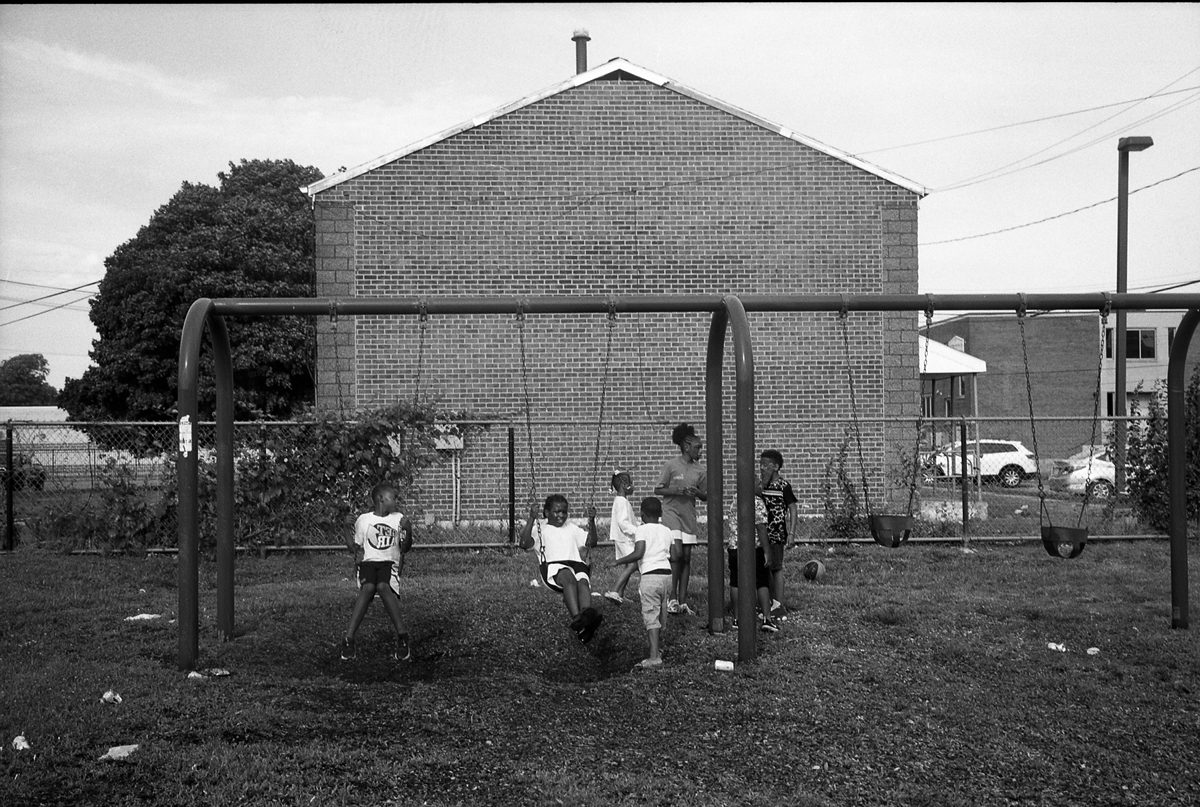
{"type": "Point", "coordinates": [561, 567]}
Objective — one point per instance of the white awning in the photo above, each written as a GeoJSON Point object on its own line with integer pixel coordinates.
{"type": "Point", "coordinates": [943, 360]}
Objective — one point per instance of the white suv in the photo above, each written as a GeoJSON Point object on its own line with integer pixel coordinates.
{"type": "Point", "coordinates": [1008, 462]}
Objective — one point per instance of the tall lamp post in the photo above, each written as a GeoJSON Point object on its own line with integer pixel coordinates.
{"type": "Point", "coordinates": [1124, 146]}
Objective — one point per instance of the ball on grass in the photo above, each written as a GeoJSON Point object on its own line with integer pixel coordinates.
{"type": "Point", "coordinates": [814, 570]}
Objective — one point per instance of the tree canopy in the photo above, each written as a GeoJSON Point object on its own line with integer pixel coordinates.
{"type": "Point", "coordinates": [23, 381]}
{"type": "Point", "coordinates": [252, 236]}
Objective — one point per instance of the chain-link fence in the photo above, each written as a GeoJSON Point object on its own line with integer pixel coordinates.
{"type": "Point", "coordinates": [112, 486]}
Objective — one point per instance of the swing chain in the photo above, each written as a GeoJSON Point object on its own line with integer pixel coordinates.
{"type": "Point", "coordinates": [611, 327]}
{"type": "Point", "coordinates": [520, 319]}
{"type": "Point", "coordinates": [843, 316]}
{"type": "Point", "coordinates": [1042, 511]}
{"type": "Point", "coordinates": [1087, 487]}
{"type": "Point", "coordinates": [916, 456]}
{"type": "Point", "coordinates": [423, 315]}
{"type": "Point", "coordinates": [337, 360]}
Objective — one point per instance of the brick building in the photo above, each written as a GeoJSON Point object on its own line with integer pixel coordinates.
{"type": "Point", "coordinates": [617, 181]}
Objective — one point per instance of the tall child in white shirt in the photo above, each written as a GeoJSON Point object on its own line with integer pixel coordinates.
{"type": "Point", "coordinates": [620, 531]}
{"type": "Point", "coordinates": [381, 537]}
{"type": "Point", "coordinates": [652, 551]}
{"type": "Point", "coordinates": [560, 566]}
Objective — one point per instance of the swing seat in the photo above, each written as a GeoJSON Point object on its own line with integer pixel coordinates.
{"type": "Point", "coordinates": [1064, 542]}
{"type": "Point", "coordinates": [891, 531]}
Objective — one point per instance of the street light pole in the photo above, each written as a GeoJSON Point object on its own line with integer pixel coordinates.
{"type": "Point", "coordinates": [1124, 146]}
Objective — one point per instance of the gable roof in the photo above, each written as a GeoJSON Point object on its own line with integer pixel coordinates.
{"type": "Point", "coordinates": [604, 70]}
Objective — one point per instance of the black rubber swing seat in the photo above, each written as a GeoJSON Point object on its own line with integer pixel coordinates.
{"type": "Point", "coordinates": [1064, 542]}
{"type": "Point", "coordinates": [891, 531]}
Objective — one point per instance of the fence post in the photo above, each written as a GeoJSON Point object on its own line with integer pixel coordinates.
{"type": "Point", "coordinates": [966, 494]}
{"type": "Point", "coordinates": [10, 541]}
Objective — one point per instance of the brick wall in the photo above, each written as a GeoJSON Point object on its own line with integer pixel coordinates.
{"type": "Point", "coordinates": [621, 187]}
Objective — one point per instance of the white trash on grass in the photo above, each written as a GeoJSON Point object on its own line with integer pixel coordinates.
{"type": "Point", "coordinates": [19, 743]}
{"type": "Point", "coordinates": [110, 696]}
{"type": "Point", "coordinates": [1061, 648]}
{"type": "Point", "coordinates": [143, 617]}
{"type": "Point", "coordinates": [1093, 651]}
{"type": "Point", "coordinates": [119, 752]}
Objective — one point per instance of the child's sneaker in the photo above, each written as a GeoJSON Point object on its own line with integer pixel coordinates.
{"type": "Point", "coordinates": [769, 626]}
{"type": "Point", "coordinates": [685, 610]}
{"type": "Point", "coordinates": [592, 621]}
{"type": "Point", "coordinates": [403, 650]}
{"type": "Point", "coordinates": [614, 597]}
{"type": "Point", "coordinates": [672, 606]}
{"type": "Point", "coordinates": [348, 650]}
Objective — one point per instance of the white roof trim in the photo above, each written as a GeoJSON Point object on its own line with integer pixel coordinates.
{"type": "Point", "coordinates": [608, 67]}
{"type": "Point", "coordinates": [943, 360]}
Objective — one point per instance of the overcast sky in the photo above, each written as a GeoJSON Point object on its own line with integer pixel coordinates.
{"type": "Point", "coordinates": [1009, 114]}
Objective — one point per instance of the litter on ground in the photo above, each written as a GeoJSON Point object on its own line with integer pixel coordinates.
{"type": "Point", "coordinates": [143, 617]}
{"type": "Point", "coordinates": [119, 752]}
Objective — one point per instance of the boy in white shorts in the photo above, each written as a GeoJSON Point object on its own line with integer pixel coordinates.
{"type": "Point", "coordinates": [652, 551]}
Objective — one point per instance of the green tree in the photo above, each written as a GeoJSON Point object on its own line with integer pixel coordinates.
{"type": "Point", "coordinates": [1148, 454]}
{"type": "Point", "coordinates": [252, 236]}
{"type": "Point", "coordinates": [23, 381]}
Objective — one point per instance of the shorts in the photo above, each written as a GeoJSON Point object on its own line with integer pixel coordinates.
{"type": "Point", "coordinates": [775, 562]}
{"type": "Point", "coordinates": [549, 570]}
{"type": "Point", "coordinates": [653, 588]}
{"type": "Point", "coordinates": [375, 572]}
{"type": "Point", "coordinates": [623, 547]}
{"type": "Point", "coordinates": [762, 577]}
{"type": "Point", "coordinates": [687, 537]}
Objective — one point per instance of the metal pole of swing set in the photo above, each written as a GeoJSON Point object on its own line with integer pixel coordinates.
{"type": "Point", "coordinates": [1124, 146]}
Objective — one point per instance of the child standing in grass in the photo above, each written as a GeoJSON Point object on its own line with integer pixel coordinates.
{"type": "Point", "coordinates": [682, 482]}
{"type": "Point", "coordinates": [781, 521]}
{"type": "Point", "coordinates": [560, 566]}
{"type": "Point", "coordinates": [621, 528]}
{"type": "Point", "coordinates": [381, 538]}
{"type": "Point", "coordinates": [652, 552]}
{"type": "Point", "coordinates": [762, 576]}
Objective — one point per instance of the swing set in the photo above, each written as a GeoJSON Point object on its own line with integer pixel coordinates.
{"type": "Point", "coordinates": [729, 313]}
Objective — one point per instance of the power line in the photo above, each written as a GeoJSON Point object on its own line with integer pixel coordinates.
{"type": "Point", "coordinates": [47, 297]}
{"type": "Point", "coordinates": [42, 286]}
{"type": "Point", "coordinates": [996, 173]}
{"type": "Point", "coordinates": [1004, 126]}
{"type": "Point", "coordinates": [1058, 215]}
{"type": "Point", "coordinates": [39, 313]}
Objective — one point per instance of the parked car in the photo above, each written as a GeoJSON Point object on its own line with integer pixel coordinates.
{"type": "Point", "coordinates": [1099, 480]}
{"type": "Point", "coordinates": [1008, 462]}
{"type": "Point", "coordinates": [27, 470]}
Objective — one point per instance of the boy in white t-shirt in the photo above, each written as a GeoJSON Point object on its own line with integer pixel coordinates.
{"type": "Point", "coordinates": [652, 551]}
{"type": "Point", "coordinates": [381, 537]}
{"type": "Point", "coordinates": [561, 567]}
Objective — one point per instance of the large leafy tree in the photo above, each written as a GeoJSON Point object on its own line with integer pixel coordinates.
{"type": "Point", "coordinates": [252, 236]}
{"type": "Point", "coordinates": [23, 381]}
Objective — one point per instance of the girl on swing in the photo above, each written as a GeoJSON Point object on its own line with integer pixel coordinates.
{"type": "Point", "coordinates": [561, 567]}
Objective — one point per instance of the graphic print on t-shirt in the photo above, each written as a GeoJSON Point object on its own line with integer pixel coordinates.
{"type": "Point", "coordinates": [382, 536]}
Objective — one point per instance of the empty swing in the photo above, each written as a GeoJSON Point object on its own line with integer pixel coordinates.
{"type": "Point", "coordinates": [1060, 541]}
{"type": "Point", "coordinates": [890, 530]}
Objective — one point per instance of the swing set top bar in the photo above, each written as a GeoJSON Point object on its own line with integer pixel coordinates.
{"type": "Point", "coordinates": [659, 303]}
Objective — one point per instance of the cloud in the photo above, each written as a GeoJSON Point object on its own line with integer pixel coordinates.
{"type": "Point", "coordinates": [130, 74]}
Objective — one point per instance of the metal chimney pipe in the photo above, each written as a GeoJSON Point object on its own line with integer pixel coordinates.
{"type": "Point", "coordinates": [581, 39]}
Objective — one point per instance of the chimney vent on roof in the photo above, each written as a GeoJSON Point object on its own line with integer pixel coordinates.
{"type": "Point", "coordinates": [581, 39]}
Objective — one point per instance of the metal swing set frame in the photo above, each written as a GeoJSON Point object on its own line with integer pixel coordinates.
{"type": "Point", "coordinates": [729, 313]}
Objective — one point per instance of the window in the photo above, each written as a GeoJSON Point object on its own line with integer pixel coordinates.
{"type": "Point", "coordinates": [927, 405]}
{"type": "Point", "coordinates": [1170, 339]}
{"type": "Point", "coordinates": [962, 386]}
{"type": "Point", "coordinates": [1139, 343]}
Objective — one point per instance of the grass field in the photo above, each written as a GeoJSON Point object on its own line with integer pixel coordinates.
{"type": "Point", "coordinates": [918, 676]}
